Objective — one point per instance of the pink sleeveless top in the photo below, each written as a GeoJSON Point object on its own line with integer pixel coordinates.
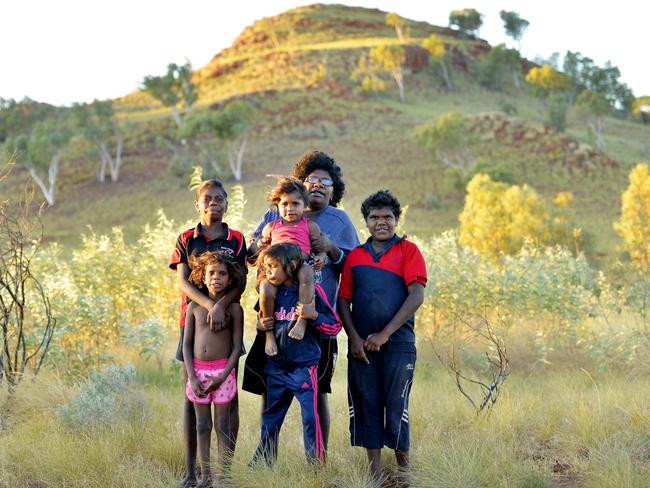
{"type": "Point", "coordinates": [297, 234]}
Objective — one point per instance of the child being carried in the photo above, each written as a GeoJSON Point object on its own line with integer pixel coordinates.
{"type": "Point", "coordinates": [291, 198]}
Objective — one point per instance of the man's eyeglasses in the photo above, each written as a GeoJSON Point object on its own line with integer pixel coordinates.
{"type": "Point", "coordinates": [322, 181]}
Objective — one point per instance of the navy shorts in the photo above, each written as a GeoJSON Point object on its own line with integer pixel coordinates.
{"type": "Point", "coordinates": [179, 348]}
{"type": "Point", "coordinates": [254, 376]}
{"type": "Point", "coordinates": [378, 397]}
{"type": "Point", "coordinates": [329, 351]}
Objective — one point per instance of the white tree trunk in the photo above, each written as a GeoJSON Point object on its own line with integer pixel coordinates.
{"type": "Point", "coordinates": [597, 129]}
{"type": "Point", "coordinates": [515, 78]}
{"type": "Point", "coordinates": [462, 161]}
{"type": "Point", "coordinates": [177, 117]}
{"type": "Point", "coordinates": [48, 193]}
{"type": "Point", "coordinates": [400, 35]}
{"type": "Point", "coordinates": [600, 132]}
{"type": "Point", "coordinates": [115, 164]}
{"type": "Point", "coordinates": [101, 171]}
{"type": "Point", "coordinates": [209, 157]}
{"type": "Point", "coordinates": [445, 73]}
{"type": "Point", "coordinates": [236, 158]}
{"type": "Point", "coordinates": [399, 79]}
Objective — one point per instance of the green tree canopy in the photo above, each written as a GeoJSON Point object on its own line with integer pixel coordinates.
{"type": "Point", "coordinates": [583, 74]}
{"type": "Point", "coordinates": [514, 25]}
{"type": "Point", "coordinates": [19, 117]}
{"type": "Point", "coordinates": [448, 138]}
{"type": "Point", "coordinates": [468, 21]}
{"type": "Point", "coordinates": [98, 124]}
{"type": "Point", "coordinates": [173, 88]}
{"type": "Point", "coordinates": [593, 106]}
{"type": "Point", "coordinates": [40, 150]}
{"type": "Point", "coordinates": [220, 135]}
{"type": "Point", "coordinates": [500, 63]}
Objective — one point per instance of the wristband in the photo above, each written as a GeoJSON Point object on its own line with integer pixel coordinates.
{"type": "Point", "coordinates": [338, 261]}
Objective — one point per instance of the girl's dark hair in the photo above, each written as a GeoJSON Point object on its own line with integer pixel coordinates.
{"type": "Point", "coordinates": [381, 199]}
{"type": "Point", "coordinates": [285, 253]}
{"type": "Point", "coordinates": [313, 160]}
{"type": "Point", "coordinates": [198, 264]}
{"type": "Point", "coordinates": [286, 185]}
{"type": "Point", "coordinates": [205, 184]}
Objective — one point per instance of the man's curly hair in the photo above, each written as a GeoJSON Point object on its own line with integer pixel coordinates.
{"type": "Point", "coordinates": [381, 199]}
{"type": "Point", "coordinates": [313, 160]}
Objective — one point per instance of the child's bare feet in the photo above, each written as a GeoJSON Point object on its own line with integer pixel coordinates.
{"type": "Point", "coordinates": [187, 482]}
{"type": "Point", "coordinates": [298, 331]}
{"type": "Point", "coordinates": [271, 347]}
{"type": "Point", "coordinates": [206, 482]}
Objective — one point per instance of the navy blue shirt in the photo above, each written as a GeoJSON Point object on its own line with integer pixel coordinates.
{"type": "Point", "coordinates": [294, 353]}
{"type": "Point", "coordinates": [376, 284]}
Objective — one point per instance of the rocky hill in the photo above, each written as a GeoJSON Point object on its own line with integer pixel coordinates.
{"type": "Point", "coordinates": [295, 71]}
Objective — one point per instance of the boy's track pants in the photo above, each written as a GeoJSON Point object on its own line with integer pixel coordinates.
{"type": "Point", "coordinates": [281, 387]}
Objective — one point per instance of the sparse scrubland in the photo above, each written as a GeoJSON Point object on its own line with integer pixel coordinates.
{"type": "Point", "coordinates": [537, 304]}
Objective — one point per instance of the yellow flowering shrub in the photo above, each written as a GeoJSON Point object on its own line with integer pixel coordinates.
{"type": "Point", "coordinates": [634, 224]}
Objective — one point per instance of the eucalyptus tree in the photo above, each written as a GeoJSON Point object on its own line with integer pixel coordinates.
{"type": "Point", "coordinates": [98, 124]}
{"type": "Point", "coordinates": [40, 150]}
{"type": "Point", "coordinates": [514, 26]}
{"type": "Point", "coordinates": [172, 89]}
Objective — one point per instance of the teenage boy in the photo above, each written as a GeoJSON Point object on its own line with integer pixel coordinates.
{"type": "Point", "coordinates": [210, 234]}
{"type": "Point", "coordinates": [382, 286]}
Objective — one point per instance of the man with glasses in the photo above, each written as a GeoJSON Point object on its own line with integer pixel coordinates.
{"type": "Point", "coordinates": [322, 177]}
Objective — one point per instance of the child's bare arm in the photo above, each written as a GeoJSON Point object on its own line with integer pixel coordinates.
{"type": "Point", "coordinates": [190, 289]}
{"type": "Point", "coordinates": [188, 349]}
{"type": "Point", "coordinates": [217, 314]}
{"type": "Point", "coordinates": [356, 342]}
{"type": "Point", "coordinates": [237, 324]}
{"type": "Point", "coordinates": [413, 300]}
{"type": "Point", "coordinates": [317, 241]}
{"type": "Point", "coordinates": [262, 242]}
{"type": "Point", "coordinates": [316, 238]}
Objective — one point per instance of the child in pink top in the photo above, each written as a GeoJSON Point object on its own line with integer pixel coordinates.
{"type": "Point", "coordinates": [291, 198]}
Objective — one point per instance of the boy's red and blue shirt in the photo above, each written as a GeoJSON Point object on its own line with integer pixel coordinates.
{"type": "Point", "coordinates": [194, 242]}
{"type": "Point", "coordinates": [376, 285]}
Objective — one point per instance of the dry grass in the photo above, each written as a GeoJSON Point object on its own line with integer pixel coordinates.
{"type": "Point", "coordinates": [550, 428]}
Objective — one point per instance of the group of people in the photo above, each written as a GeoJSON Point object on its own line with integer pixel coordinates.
{"type": "Point", "coordinates": [313, 278]}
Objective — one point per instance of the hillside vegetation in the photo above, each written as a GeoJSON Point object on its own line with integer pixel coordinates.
{"type": "Point", "coordinates": [533, 339]}
{"type": "Point", "coordinates": [294, 69]}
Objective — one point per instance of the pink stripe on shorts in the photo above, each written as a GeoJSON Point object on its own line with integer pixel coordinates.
{"type": "Point", "coordinates": [226, 391]}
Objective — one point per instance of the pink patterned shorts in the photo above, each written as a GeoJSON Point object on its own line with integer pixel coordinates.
{"type": "Point", "coordinates": [226, 391]}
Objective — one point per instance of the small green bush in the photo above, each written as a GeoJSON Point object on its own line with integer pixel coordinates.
{"type": "Point", "coordinates": [557, 111]}
{"type": "Point", "coordinates": [105, 399]}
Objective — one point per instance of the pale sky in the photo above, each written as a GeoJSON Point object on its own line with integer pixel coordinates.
{"type": "Point", "coordinates": [68, 51]}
